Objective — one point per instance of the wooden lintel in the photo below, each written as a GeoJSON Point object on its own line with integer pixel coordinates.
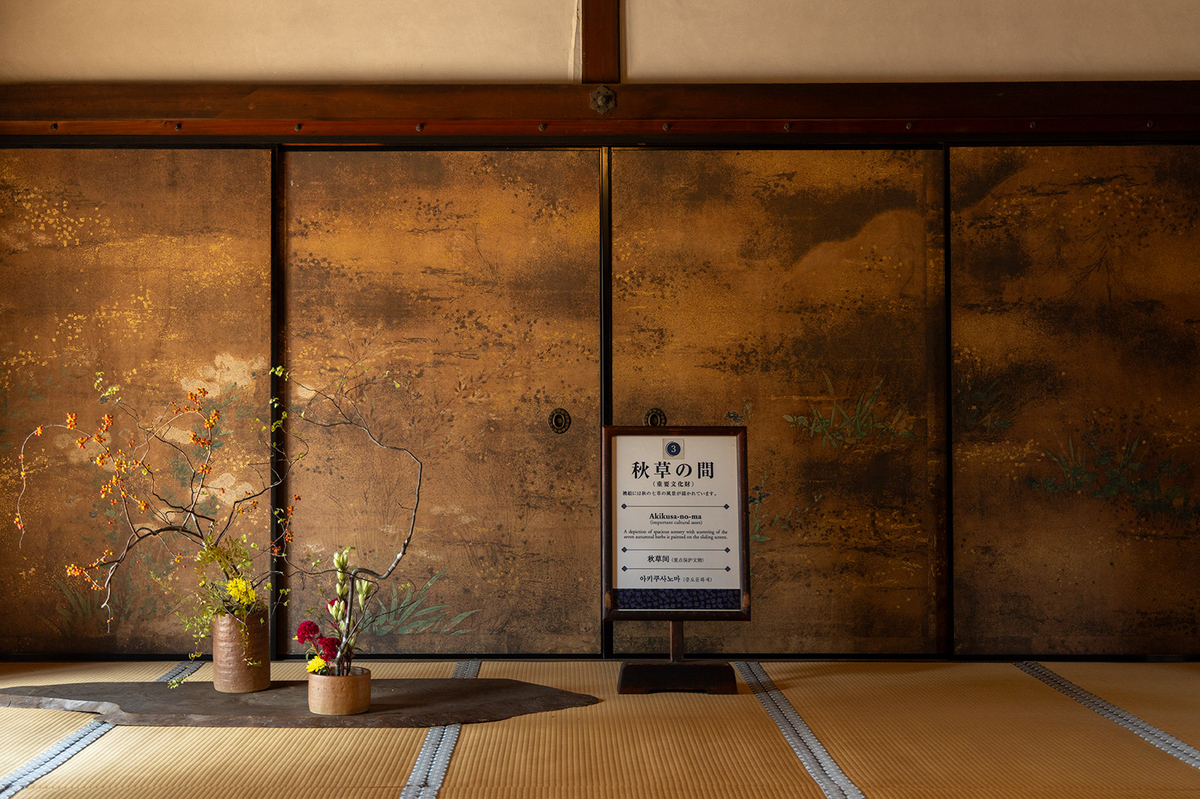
{"type": "Point", "coordinates": [294, 112]}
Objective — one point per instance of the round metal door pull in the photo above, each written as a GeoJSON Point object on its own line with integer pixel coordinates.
{"type": "Point", "coordinates": [560, 420]}
{"type": "Point", "coordinates": [655, 417]}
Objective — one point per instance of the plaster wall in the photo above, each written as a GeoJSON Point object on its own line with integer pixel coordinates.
{"type": "Point", "coordinates": [421, 41]}
{"type": "Point", "coordinates": [914, 40]}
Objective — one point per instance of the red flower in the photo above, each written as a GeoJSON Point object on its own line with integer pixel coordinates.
{"type": "Point", "coordinates": [328, 647]}
{"type": "Point", "coordinates": [307, 631]}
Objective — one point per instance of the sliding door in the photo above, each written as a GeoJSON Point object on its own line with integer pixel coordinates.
{"type": "Point", "coordinates": [447, 304]}
{"type": "Point", "coordinates": [1076, 364]}
{"type": "Point", "coordinates": [799, 294]}
{"type": "Point", "coordinates": [152, 267]}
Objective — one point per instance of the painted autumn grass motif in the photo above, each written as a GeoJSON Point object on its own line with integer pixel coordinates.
{"type": "Point", "coordinates": [988, 397]}
{"type": "Point", "coordinates": [407, 614]}
{"type": "Point", "coordinates": [1149, 484]}
{"type": "Point", "coordinates": [839, 426]}
{"type": "Point", "coordinates": [1075, 366]}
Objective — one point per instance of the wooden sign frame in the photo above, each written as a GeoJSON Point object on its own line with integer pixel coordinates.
{"type": "Point", "coordinates": [678, 500]}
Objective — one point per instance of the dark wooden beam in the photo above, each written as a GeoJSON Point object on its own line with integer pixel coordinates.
{"type": "Point", "coordinates": [601, 35]}
{"type": "Point", "coordinates": [286, 113]}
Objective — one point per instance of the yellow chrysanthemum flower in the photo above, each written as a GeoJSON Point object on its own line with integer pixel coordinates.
{"type": "Point", "coordinates": [241, 591]}
{"type": "Point", "coordinates": [316, 663]}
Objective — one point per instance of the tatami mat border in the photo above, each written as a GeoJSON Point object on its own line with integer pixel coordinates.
{"type": "Point", "coordinates": [53, 757]}
{"type": "Point", "coordinates": [1144, 730]}
{"type": "Point", "coordinates": [181, 672]}
{"type": "Point", "coordinates": [434, 758]}
{"type": "Point", "coordinates": [467, 669]}
{"type": "Point", "coordinates": [816, 759]}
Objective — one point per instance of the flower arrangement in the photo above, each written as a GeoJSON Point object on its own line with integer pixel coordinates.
{"type": "Point", "coordinates": [157, 477]}
{"type": "Point", "coordinates": [225, 585]}
{"type": "Point", "coordinates": [333, 655]}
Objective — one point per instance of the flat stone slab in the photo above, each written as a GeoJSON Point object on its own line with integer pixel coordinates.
{"type": "Point", "coordinates": [394, 703]}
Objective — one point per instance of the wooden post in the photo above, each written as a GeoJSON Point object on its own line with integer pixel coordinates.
{"type": "Point", "coordinates": [676, 641]}
{"type": "Point", "coordinates": [601, 41]}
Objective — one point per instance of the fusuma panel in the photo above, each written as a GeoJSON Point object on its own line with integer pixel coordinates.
{"type": "Point", "coordinates": [441, 307]}
{"type": "Point", "coordinates": [1075, 355]}
{"type": "Point", "coordinates": [800, 294]}
{"type": "Point", "coordinates": [146, 272]}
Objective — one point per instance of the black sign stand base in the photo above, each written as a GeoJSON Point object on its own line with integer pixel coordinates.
{"type": "Point", "coordinates": [649, 678]}
{"type": "Point", "coordinates": [676, 675]}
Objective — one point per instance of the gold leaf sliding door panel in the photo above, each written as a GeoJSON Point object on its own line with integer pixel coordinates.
{"type": "Point", "coordinates": [458, 295]}
{"type": "Point", "coordinates": [799, 294]}
{"type": "Point", "coordinates": [1076, 364]}
{"type": "Point", "coordinates": [153, 267]}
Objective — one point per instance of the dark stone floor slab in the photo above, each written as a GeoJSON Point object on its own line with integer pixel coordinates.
{"type": "Point", "coordinates": [394, 703]}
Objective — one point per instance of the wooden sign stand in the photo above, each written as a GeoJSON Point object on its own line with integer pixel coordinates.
{"type": "Point", "coordinates": [676, 543]}
{"type": "Point", "coordinates": [647, 677]}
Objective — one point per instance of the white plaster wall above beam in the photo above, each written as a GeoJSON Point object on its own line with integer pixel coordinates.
{"type": "Point", "coordinates": [910, 40]}
{"type": "Point", "coordinates": [389, 41]}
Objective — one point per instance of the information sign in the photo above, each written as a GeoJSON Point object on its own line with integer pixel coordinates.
{"type": "Point", "coordinates": [675, 531]}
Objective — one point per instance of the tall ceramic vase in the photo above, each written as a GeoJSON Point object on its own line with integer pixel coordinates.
{"type": "Point", "coordinates": [330, 695]}
{"type": "Point", "coordinates": [241, 654]}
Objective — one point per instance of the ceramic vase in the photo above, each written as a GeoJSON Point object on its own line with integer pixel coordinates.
{"type": "Point", "coordinates": [241, 653]}
{"type": "Point", "coordinates": [331, 695]}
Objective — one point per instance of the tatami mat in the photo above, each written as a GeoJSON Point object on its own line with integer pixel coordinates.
{"type": "Point", "coordinates": [50, 673]}
{"type": "Point", "coordinates": [1166, 695]}
{"type": "Point", "coordinates": [897, 730]}
{"type": "Point", "coordinates": [25, 733]}
{"type": "Point", "coordinates": [655, 746]}
{"type": "Point", "coordinates": [167, 763]}
{"type": "Point", "coordinates": [928, 730]}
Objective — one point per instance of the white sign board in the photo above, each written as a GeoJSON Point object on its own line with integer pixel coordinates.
{"type": "Point", "coordinates": [675, 523]}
